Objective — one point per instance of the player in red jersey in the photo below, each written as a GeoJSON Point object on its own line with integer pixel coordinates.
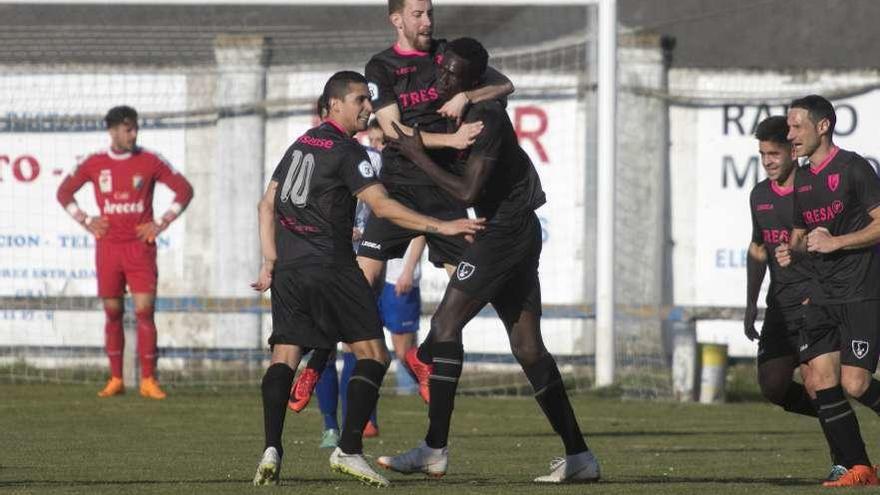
{"type": "Point", "coordinates": [123, 178]}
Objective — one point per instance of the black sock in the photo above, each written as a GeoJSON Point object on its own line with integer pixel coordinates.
{"type": "Point", "coordinates": [553, 399]}
{"type": "Point", "coordinates": [276, 391]}
{"type": "Point", "coordinates": [871, 397]}
{"type": "Point", "coordinates": [797, 400]}
{"type": "Point", "coordinates": [448, 358]}
{"type": "Point", "coordinates": [363, 393]}
{"type": "Point", "coordinates": [424, 351]}
{"type": "Point", "coordinates": [318, 359]}
{"type": "Point", "coordinates": [841, 426]}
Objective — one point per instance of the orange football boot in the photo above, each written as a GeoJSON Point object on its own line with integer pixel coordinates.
{"type": "Point", "coordinates": [150, 389]}
{"type": "Point", "coordinates": [858, 475]}
{"type": "Point", "coordinates": [114, 386]}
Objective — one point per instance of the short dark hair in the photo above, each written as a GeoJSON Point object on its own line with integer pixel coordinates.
{"type": "Point", "coordinates": [374, 124]}
{"type": "Point", "coordinates": [774, 129]}
{"type": "Point", "coordinates": [118, 115]}
{"type": "Point", "coordinates": [471, 50]}
{"type": "Point", "coordinates": [321, 107]}
{"type": "Point", "coordinates": [817, 108]}
{"type": "Point", "coordinates": [395, 6]}
{"type": "Point", "coordinates": [338, 86]}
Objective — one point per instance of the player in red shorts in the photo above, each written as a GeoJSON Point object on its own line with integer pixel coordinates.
{"type": "Point", "coordinates": [123, 178]}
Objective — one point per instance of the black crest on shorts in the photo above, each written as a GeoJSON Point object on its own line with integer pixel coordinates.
{"type": "Point", "coordinates": [860, 348]}
{"type": "Point", "coordinates": [465, 270]}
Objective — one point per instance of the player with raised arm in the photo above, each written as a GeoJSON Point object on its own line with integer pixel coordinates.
{"type": "Point", "coordinates": [501, 267]}
{"type": "Point", "coordinates": [123, 178]}
{"type": "Point", "coordinates": [319, 295]}
{"type": "Point", "coordinates": [836, 223]}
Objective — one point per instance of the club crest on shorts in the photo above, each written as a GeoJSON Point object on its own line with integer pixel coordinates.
{"type": "Point", "coordinates": [860, 348]}
{"type": "Point", "coordinates": [374, 91]}
{"type": "Point", "coordinates": [366, 169]}
{"type": "Point", "coordinates": [833, 181]}
{"type": "Point", "coordinates": [465, 270]}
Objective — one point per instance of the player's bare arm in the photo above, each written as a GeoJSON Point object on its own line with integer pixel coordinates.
{"type": "Point", "coordinates": [495, 85]}
{"type": "Point", "coordinates": [266, 211]}
{"type": "Point", "coordinates": [820, 240]}
{"type": "Point", "coordinates": [464, 188]}
{"type": "Point", "coordinates": [389, 116]}
{"type": "Point", "coordinates": [404, 283]}
{"type": "Point", "coordinates": [756, 267]}
{"type": "Point", "coordinates": [376, 197]}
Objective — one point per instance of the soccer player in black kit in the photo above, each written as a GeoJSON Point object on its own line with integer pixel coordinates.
{"type": "Point", "coordinates": [501, 267]}
{"type": "Point", "coordinates": [788, 296]}
{"type": "Point", "coordinates": [836, 223]}
{"type": "Point", "coordinates": [402, 81]}
{"type": "Point", "coordinates": [319, 295]}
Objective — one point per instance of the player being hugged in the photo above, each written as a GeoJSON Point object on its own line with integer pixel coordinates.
{"type": "Point", "coordinates": [501, 267]}
{"type": "Point", "coordinates": [123, 179]}
{"type": "Point", "coordinates": [319, 295]}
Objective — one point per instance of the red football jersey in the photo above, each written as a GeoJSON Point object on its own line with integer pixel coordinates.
{"type": "Point", "coordinates": [123, 184]}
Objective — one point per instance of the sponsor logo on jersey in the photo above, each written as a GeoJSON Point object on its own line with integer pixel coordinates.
{"type": "Point", "coordinates": [402, 71]}
{"type": "Point", "coordinates": [806, 188]}
{"type": "Point", "coordinates": [465, 270]}
{"type": "Point", "coordinates": [122, 208]}
{"type": "Point", "coordinates": [415, 97]}
{"type": "Point", "coordinates": [833, 181]}
{"type": "Point", "coordinates": [765, 207]}
{"type": "Point", "coordinates": [373, 245]}
{"type": "Point", "coordinates": [137, 181]}
{"type": "Point", "coordinates": [823, 213]}
{"type": "Point", "coordinates": [293, 225]}
{"type": "Point", "coordinates": [315, 142]}
{"type": "Point", "coordinates": [105, 181]}
{"type": "Point", "coordinates": [366, 169]}
{"type": "Point", "coordinates": [374, 91]}
{"type": "Point", "coordinates": [860, 348]}
{"type": "Point", "coordinates": [775, 236]}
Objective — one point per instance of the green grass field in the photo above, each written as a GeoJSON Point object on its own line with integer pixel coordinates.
{"type": "Point", "coordinates": [62, 439]}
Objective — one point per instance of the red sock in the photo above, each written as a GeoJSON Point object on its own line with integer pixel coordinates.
{"type": "Point", "coordinates": [146, 334]}
{"type": "Point", "coordinates": [114, 340]}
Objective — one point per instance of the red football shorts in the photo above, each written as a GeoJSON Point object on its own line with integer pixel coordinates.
{"type": "Point", "coordinates": [121, 263]}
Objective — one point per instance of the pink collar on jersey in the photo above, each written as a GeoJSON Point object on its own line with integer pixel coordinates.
{"type": "Point", "coordinates": [337, 126]}
{"type": "Point", "coordinates": [408, 53]}
{"type": "Point", "coordinates": [118, 156]}
{"type": "Point", "coordinates": [826, 161]}
{"type": "Point", "coordinates": [781, 190]}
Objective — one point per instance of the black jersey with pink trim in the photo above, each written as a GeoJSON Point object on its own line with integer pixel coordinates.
{"type": "Point", "coordinates": [409, 79]}
{"type": "Point", "coordinates": [771, 207]}
{"type": "Point", "coordinates": [513, 188]}
{"type": "Point", "coordinates": [318, 177]}
{"type": "Point", "coordinates": [838, 195]}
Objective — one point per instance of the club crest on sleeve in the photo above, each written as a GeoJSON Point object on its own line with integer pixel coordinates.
{"type": "Point", "coordinates": [366, 169]}
{"type": "Point", "coordinates": [374, 91]}
{"type": "Point", "coordinates": [833, 181]}
{"type": "Point", "coordinates": [465, 270]}
{"type": "Point", "coordinates": [860, 348]}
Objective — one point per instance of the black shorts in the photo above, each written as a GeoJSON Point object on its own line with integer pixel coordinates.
{"type": "Point", "coordinates": [851, 328]}
{"type": "Point", "coordinates": [501, 266]}
{"type": "Point", "coordinates": [383, 240]}
{"type": "Point", "coordinates": [317, 306]}
{"type": "Point", "coordinates": [781, 333]}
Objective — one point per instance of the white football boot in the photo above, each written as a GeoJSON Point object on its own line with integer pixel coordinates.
{"type": "Point", "coordinates": [269, 469]}
{"type": "Point", "coordinates": [355, 465]}
{"type": "Point", "coordinates": [578, 468]}
{"type": "Point", "coordinates": [422, 459]}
